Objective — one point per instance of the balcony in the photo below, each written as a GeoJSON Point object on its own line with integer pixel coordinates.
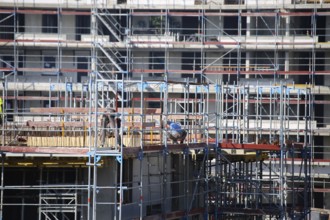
{"type": "Point", "coordinates": [161, 2]}
{"type": "Point", "coordinates": [98, 38]}
{"type": "Point", "coordinates": [153, 38]}
{"type": "Point", "coordinates": [41, 37]}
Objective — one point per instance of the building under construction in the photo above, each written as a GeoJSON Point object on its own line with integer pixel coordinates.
{"type": "Point", "coordinates": [89, 88]}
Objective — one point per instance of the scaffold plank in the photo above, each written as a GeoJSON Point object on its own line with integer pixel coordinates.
{"type": "Point", "coordinates": [70, 110]}
{"type": "Point", "coordinates": [266, 147]}
{"type": "Point", "coordinates": [42, 11]}
{"type": "Point", "coordinates": [46, 150]}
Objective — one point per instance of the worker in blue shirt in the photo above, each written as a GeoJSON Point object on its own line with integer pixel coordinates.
{"type": "Point", "coordinates": [176, 133]}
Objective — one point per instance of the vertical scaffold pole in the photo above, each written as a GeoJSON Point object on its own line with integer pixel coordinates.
{"type": "Point", "coordinates": [93, 94]}
{"type": "Point", "coordinates": [165, 149]}
{"type": "Point", "coordinates": [2, 184]}
{"type": "Point", "coordinates": [282, 152]}
{"type": "Point", "coordinates": [141, 150]}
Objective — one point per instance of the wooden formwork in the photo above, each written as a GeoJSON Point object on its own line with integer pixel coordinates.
{"type": "Point", "coordinates": [79, 141]}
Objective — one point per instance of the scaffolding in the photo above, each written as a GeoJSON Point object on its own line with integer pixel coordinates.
{"type": "Point", "coordinates": [241, 81]}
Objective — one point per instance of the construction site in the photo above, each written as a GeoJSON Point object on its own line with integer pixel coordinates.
{"type": "Point", "coordinates": [163, 109]}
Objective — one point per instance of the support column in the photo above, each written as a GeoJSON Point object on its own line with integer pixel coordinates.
{"type": "Point", "coordinates": [287, 54]}
{"type": "Point", "coordinates": [247, 64]}
{"type": "Point", "coordinates": [287, 64]}
{"type": "Point", "coordinates": [327, 54]}
{"type": "Point", "coordinates": [106, 197]}
{"type": "Point", "coordinates": [248, 54]}
{"type": "Point", "coordinates": [2, 184]}
{"type": "Point", "coordinates": [326, 113]}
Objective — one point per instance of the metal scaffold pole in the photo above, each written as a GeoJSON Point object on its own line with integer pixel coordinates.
{"type": "Point", "coordinates": [140, 156]}
{"type": "Point", "coordinates": [282, 183]}
{"type": "Point", "coordinates": [92, 107]}
{"type": "Point", "coordinates": [2, 184]}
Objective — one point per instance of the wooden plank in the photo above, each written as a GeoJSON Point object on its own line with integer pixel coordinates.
{"type": "Point", "coordinates": [43, 124]}
{"type": "Point", "coordinates": [62, 110]}
{"type": "Point", "coordinates": [48, 150]}
{"type": "Point", "coordinates": [249, 146]}
{"type": "Point", "coordinates": [79, 141]}
{"type": "Point", "coordinates": [139, 124]}
{"type": "Point", "coordinates": [176, 117]}
{"type": "Point", "coordinates": [140, 111]}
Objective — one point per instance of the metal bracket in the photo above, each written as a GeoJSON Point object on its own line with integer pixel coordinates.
{"type": "Point", "coordinates": [140, 155]}
{"type": "Point", "coordinates": [119, 159]}
{"type": "Point", "coordinates": [217, 88]}
{"type": "Point", "coordinates": [97, 158]}
{"type": "Point", "coordinates": [165, 152]}
{"type": "Point", "coordinates": [206, 150]}
{"type": "Point", "coordinates": [186, 151]}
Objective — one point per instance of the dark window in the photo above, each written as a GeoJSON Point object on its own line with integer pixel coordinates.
{"type": "Point", "coordinates": [231, 25]}
{"type": "Point", "coordinates": [154, 209]}
{"type": "Point", "coordinates": [126, 99]}
{"type": "Point", "coordinates": [82, 64]}
{"type": "Point", "coordinates": [46, 104]}
{"type": "Point", "coordinates": [157, 62]}
{"type": "Point", "coordinates": [49, 62]}
{"type": "Point", "coordinates": [6, 26]}
{"type": "Point", "coordinates": [21, 23]}
{"type": "Point", "coordinates": [8, 62]}
{"type": "Point", "coordinates": [157, 24]}
{"type": "Point", "coordinates": [191, 61]}
{"type": "Point", "coordinates": [154, 104]}
{"type": "Point", "coordinates": [191, 26]}
{"type": "Point", "coordinates": [83, 25]}
{"type": "Point", "coordinates": [9, 106]}
{"type": "Point", "coordinates": [234, 2]}
{"type": "Point", "coordinates": [49, 23]}
{"type": "Point", "coordinates": [127, 180]}
{"type": "Point", "coordinates": [20, 64]}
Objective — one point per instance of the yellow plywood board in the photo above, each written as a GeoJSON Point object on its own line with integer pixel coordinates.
{"type": "Point", "coordinates": [80, 141]}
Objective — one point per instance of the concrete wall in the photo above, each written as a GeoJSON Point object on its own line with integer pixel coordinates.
{"type": "Point", "coordinates": [141, 60]}
{"type": "Point", "coordinates": [174, 64]}
{"type": "Point", "coordinates": [33, 23]}
{"type": "Point", "coordinates": [69, 26]}
{"type": "Point", "coordinates": [153, 175]}
{"type": "Point", "coordinates": [34, 59]}
{"type": "Point", "coordinates": [214, 62]}
{"type": "Point", "coordinates": [107, 176]}
{"type": "Point", "coordinates": [214, 26]}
